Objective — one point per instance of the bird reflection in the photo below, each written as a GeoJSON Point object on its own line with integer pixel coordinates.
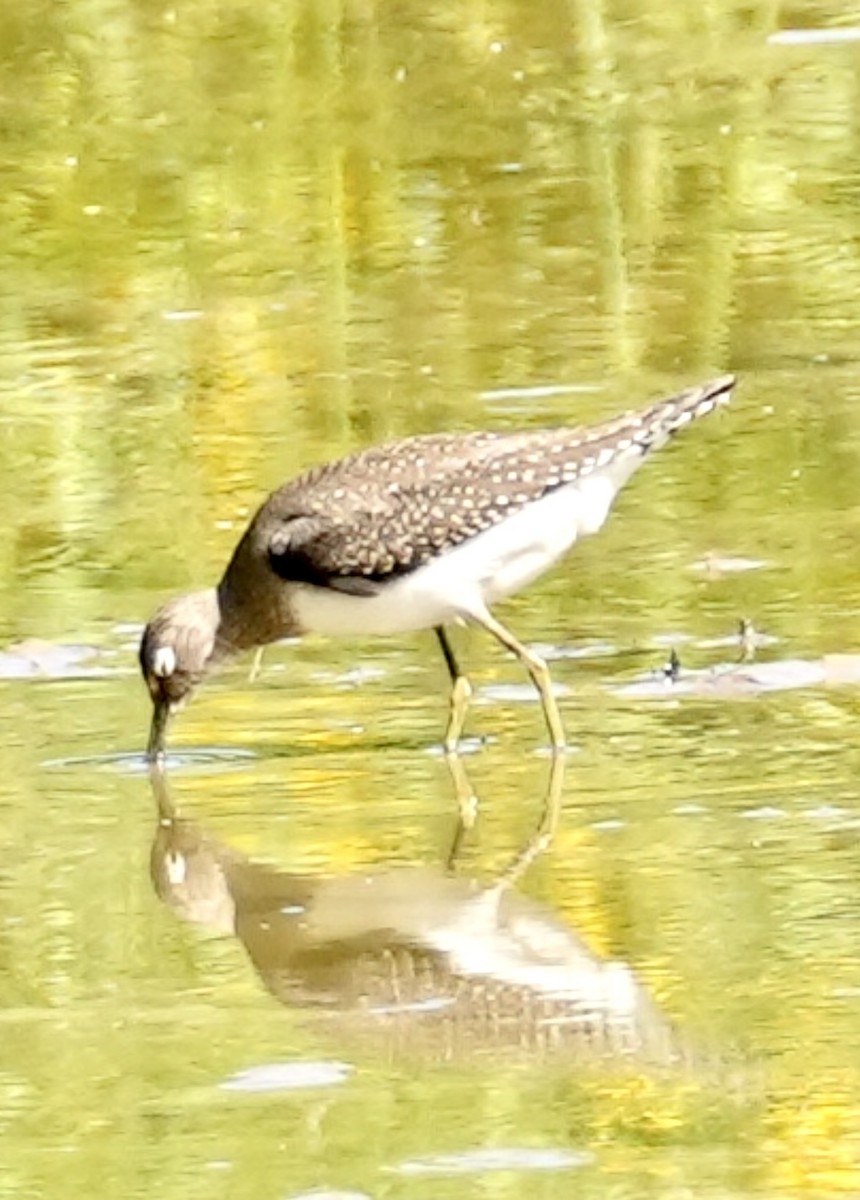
{"type": "Point", "coordinates": [420, 956]}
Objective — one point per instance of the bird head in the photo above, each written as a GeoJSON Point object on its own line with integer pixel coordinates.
{"type": "Point", "coordinates": [176, 652]}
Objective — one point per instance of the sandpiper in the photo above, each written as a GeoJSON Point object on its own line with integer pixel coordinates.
{"type": "Point", "coordinates": [417, 534]}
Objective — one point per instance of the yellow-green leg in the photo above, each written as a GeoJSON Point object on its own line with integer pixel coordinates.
{"type": "Point", "coordinates": [539, 672]}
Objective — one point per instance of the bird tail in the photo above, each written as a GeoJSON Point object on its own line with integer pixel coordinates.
{"type": "Point", "coordinates": [626, 442]}
{"type": "Point", "coordinates": [654, 426]}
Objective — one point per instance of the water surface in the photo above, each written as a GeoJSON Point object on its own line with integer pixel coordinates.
{"type": "Point", "coordinates": [239, 240]}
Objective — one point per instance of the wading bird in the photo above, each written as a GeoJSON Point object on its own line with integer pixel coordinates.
{"type": "Point", "coordinates": [417, 534]}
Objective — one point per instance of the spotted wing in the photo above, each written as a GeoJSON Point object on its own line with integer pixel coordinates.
{"type": "Point", "coordinates": [384, 512]}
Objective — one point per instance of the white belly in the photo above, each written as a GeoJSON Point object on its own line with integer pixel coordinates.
{"type": "Point", "coordinates": [465, 581]}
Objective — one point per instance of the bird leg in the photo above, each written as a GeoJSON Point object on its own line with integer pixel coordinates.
{"type": "Point", "coordinates": [256, 665]}
{"type": "Point", "coordinates": [461, 692]}
{"type": "Point", "coordinates": [537, 669]}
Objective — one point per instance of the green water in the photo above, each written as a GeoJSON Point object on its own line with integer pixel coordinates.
{"type": "Point", "coordinates": [239, 239]}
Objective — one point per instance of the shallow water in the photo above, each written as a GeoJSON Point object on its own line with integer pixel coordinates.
{"type": "Point", "coordinates": [237, 241]}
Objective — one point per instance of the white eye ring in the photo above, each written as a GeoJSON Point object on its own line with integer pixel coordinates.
{"type": "Point", "coordinates": [164, 662]}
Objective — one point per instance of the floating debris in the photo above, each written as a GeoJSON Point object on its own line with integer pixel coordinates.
{"type": "Point", "coordinates": [287, 1077]}
{"type": "Point", "coordinates": [672, 669]}
{"type": "Point", "coordinates": [48, 660]}
{"type": "Point", "coordinates": [183, 314]}
{"type": "Point", "coordinates": [475, 1162]}
{"type": "Point", "coordinates": [748, 639]}
{"type": "Point", "coordinates": [814, 37]}
{"type": "Point", "coordinates": [766, 813]}
{"type": "Point", "coordinates": [540, 392]}
{"type": "Point", "coordinates": [326, 1195]}
{"type": "Point", "coordinates": [733, 681]}
{"type": "Point", "coordinates": [552, 652]}
{"type": "Point", "coordinates": [716, 565]}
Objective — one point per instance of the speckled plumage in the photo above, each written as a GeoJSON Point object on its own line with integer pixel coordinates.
{"type": "Point", "coordinates": [416, 534]}
{"type": "Point", "coordinates": [387, 510]}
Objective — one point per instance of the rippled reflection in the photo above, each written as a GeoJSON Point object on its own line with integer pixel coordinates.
{"type": "Point", "coordinates": [421, 956]}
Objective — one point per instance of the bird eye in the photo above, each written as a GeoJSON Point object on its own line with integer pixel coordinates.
{"type": "Point", "coordinates": [164, 662]}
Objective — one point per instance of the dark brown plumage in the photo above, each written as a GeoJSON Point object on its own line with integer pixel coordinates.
{"type": "Point", "coordinates": [391, 508]}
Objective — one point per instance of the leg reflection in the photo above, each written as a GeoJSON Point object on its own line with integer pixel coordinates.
{"type": "Point", "coordinates": [540, 840]}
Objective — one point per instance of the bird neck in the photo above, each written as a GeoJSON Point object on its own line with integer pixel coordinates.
{"type": "Point", "coordinates": [254, 605]}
